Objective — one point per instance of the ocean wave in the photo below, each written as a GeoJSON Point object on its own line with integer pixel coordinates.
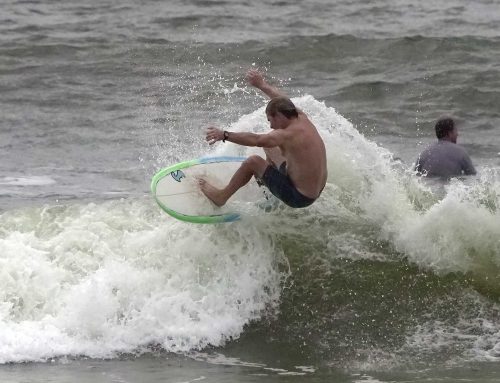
{"type": "Point", "coordinates": [358, 271]}
{"type": "Point", "coordinates": [102, 279]}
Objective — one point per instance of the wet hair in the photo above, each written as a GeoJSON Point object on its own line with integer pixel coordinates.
{"type": "Point", "coordinates": [282, 105]}
{"type": "Point", "coordinates": [443, 126]}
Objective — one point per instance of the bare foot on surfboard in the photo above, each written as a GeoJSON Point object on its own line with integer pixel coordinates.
{"type": "Point", "coordinates": [212, 193]}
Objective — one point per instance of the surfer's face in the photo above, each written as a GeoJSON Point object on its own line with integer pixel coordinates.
{"type": "Point", "coordinates": [453, 135]}
{"type": "Point", "coordinates": [271, 120]}
{"type": "Point", "coordinates": [276, 121]}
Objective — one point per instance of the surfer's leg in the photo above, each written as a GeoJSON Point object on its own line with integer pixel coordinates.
{"type": "Point", "coordinates": [252, 166]}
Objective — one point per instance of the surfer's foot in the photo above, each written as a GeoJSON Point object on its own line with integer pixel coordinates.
{"type": "Point", "coordinates": [213, 194]}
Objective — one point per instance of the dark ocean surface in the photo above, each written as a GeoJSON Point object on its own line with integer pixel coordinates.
{"type": "Point", "coordinates": [386, 278]}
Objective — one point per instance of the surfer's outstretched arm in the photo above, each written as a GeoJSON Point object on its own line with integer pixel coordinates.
{"type": "Point", "coordinates": [255, 78]}
{"type": "Point", "coordinates": [270, 140]}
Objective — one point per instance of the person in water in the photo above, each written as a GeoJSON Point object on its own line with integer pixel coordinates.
{"type": "Point", "coordinates": [445, 159]}
{"type": "Point", "coordinates": [295, 168]}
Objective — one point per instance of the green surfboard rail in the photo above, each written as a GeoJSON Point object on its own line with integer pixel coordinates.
{"type": "Point", "coordinates": [201, 219]}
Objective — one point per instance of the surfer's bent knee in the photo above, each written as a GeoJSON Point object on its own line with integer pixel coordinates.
{"type": "Point", "coordinates": [253, 161]}
{"type": "Point", "coordinates": [256, 163]}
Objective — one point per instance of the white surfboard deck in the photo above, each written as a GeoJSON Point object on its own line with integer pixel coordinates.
{"type": "Point", "coordinates": [177, 191]}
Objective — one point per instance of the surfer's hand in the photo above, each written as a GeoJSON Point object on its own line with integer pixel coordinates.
{"type": "Point", "coordinates": [255, 78]}
{"type": "Point", "coordinates": [214, 135]}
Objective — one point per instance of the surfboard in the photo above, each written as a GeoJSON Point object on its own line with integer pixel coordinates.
{"type": "Point", "coordinates": [177, 192]}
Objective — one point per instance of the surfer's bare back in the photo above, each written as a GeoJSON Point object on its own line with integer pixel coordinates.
{"type": "Point", "coordinates": [295, 168]}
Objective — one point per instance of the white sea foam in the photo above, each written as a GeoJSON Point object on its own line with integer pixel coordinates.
{"type": "Point", "coordinates": [220, 359]}
{"type": "Point", "coordinates": [367, 379]}
{"type": "Point", "coordinates": [477, 339]}
{"type": "Point", "coordinates": [99, 279]}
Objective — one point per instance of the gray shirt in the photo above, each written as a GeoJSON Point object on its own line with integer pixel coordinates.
{"type": "Point", "coordinates": [444, 159]}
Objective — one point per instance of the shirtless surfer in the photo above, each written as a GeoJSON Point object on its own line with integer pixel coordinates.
{"type": "Point", "coordinates": [295, 168]}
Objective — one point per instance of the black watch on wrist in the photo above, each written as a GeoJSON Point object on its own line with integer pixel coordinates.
{"type": "Point", "coordinates": [226, 136]}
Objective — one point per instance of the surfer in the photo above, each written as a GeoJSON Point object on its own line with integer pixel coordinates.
{"type": "Point", "coordinates": [295, 168]}
{"type": "Point", "coordinates": [444, 158]}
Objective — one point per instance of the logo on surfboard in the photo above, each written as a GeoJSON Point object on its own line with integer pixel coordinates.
{"type": "Point", "coordinates": [178, 175]}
